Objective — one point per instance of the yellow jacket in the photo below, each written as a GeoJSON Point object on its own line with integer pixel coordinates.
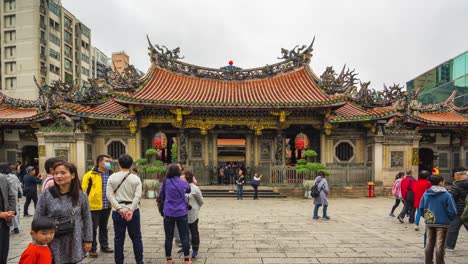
{"type": "Point", "coordinates": [94, 192]}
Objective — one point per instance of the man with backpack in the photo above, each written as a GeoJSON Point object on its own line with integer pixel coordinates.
{"type": "Point", "coordinates": [320, 192]}
{"type": "Point", "coordinates": [94, 183]}
{"type": "Point", "coordinates": [459, 193]}
{"type": "Point", "coordinates": [408, 198]}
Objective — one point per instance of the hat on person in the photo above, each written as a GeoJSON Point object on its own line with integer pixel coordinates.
{"type": "Point", "coordinates": [29, 169]}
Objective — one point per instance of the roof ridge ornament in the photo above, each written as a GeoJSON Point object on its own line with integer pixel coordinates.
{"type": "Point", "coordinates": [170, 60]}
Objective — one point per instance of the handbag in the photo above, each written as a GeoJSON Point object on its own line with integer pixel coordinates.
{"type": "Point", "coordinates": [63, 227]}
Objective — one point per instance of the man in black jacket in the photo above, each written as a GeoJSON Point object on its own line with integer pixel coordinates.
{"type": "Point", "coordinates": [459, 191]}
{"type": "Point", "coordinates": [7, 211]}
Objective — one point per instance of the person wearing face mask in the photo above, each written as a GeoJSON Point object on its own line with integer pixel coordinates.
{"type": "Point", "coordinates": [94, 183]}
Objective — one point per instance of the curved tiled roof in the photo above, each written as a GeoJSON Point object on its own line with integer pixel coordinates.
{"type": "Point", "coordinates": [290, 90]}
{"type": "Point", "coordinates": [15, 115]}
{"type": "Point", "coordinates": [351, 112]}
{"type": "Point", "coordinates": [109, 110]}
{"type": "Point", "coordinates": [447, 117]}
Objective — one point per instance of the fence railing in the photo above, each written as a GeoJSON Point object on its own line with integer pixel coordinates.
{"type": "Point", "coordinates": [348, 174]}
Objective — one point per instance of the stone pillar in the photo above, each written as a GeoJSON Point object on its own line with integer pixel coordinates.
{"type": "Point", "coordinates": [279, 156]}
{"type": "Point", "coordinates": [42, 151]}
{"type": "Point", "coordinates": [182, 147]}
{"type": "Point", "coordinates": [256, 151]}
{"type": "Point", "coordinates": [323, 149]}
{"type": "Point", "coordinates": [80, 138]}
{"type": "Point", "coordinates": [378, 160]}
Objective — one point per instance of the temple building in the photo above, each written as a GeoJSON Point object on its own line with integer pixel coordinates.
{"type": "Point", "coordinates": [251, 117]}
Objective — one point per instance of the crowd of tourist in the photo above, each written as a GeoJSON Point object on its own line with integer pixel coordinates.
{"type": "Point", "coordinates": [70, 216]}
{"type": "Point", "coordinates": [444, 211]}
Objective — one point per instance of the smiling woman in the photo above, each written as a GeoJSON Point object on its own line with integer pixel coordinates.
{"type": "Point", "coordinates": [68, 205]}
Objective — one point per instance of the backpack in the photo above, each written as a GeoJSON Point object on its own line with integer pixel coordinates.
{"type": "Point", "coordinates": [464, 216]}
{"type": "Point", "coordinates": [396, 190]}
{"type": "Point", "coordinates": [314, 191]}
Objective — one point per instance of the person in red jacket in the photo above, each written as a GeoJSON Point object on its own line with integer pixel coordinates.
{"type": "Point", "coordinates": [38, 252]}
{"type": "Point", "coordinates": [419, 187]}
{"type": "Point", "coordinates": [408, 200]}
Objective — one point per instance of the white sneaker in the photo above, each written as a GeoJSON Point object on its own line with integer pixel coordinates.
{"type": "Point", "coordinates": [416, 228]}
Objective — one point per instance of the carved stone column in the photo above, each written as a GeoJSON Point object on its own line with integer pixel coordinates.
{"type": "Point", "coordinates": [182, 147]}
{"type": "Point", "coordinates": [279, 148]}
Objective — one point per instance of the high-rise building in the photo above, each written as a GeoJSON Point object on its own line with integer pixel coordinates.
{"type": "Point", "coordinates": [100, 62]}
{"type": "Point", "coordinates": [41, 38]}
{"type": "Point", "coordinates": [439, 82]}
{"type": "Point", "coordinates": [120, 61]}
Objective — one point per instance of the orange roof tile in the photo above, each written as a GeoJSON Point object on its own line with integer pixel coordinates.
{"type": "Point", "coordinates": [107, 110]}
{"type": "Point", "coordinates": [292, 89]}
{"type": "Point", "coordinates": [447, 117]}
{"type": "Point", "coordinates": [10, 114]}
{"type": "Point", "coordinates": [351, 112]}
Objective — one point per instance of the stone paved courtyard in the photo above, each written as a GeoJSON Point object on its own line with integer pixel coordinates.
{"type": "Point", "coordinates": [282, 231]}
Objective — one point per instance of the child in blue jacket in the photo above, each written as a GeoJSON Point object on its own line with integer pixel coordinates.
{"type": "Point", "coordinates": [438, 209]}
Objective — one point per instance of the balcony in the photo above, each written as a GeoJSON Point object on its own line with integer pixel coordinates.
{"type": "Point", "coordinates": [42, 8]}
{"type": "Point", "coordinates": [42, 56]}
{"type": "Point", "coordinates": [43, 26]}
{"type": "Point", "coordinates": [69, 27]}
{"type": "Point", "coordinates": [43, 41]}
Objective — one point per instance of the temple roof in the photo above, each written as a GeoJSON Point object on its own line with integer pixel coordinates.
{"type": "Point", "coordinates": [353, 113]}
{"type": "Point", "coordinates": [14, 115]}
{"type": "Point", "coordinates": [447, 117]}
{"type": "Point", "coordinates": [109, 110]}
{"type": "Point", "coordinates": [288, 90]}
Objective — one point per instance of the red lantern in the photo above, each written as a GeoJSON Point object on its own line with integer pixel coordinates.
{"type": "Point", "coordinates": [301, 141]}
{"type": "Point", "coordinates": [160, 141]}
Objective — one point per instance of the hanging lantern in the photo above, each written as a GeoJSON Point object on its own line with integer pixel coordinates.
{"type": "Point", "coordinates": [160, 141]}
{"type": "Point", "coordinates": [301, 141]}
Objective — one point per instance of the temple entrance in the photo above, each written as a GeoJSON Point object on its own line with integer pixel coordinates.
{"type": "Point", "coordinates": [426, 159]}
{"type": "Point", "coordinates": [231, 158]}
{"type": "Point", "coordinates": [30, 155]}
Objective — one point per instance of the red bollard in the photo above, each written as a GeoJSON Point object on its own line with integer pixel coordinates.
{"type": "Point", "coordinates": [371, 190]}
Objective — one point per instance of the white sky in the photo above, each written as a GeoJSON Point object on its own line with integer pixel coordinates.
{"type": "Point", "coordinates": [386, 41]}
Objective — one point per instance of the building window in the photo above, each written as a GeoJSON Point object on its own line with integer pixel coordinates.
{"type": "Point", "coordinates": [456, 159]}
{"type": "Point", "coordinates": [54, 54]}
{"type": "Point", "coordinates": [10, 83]}
{"type": "Point", "coordinates": [10, 67]}
{"type": "Point", "coordinates": [54, 39]}
{"type": "Point", "coordinates": [10, 21]}
{"type": "Point", "coordinates": [10, 36]}
{"type": "Point", "coordinates": [396, 159]}
{"type": "Point", "coordinates": [344, 151]}
{"type": "Point", "coordinates": [84, 71]}
{"type": "Point", "coordinates": [54, 8]}
{"type": "Point", "coordinates": [61, 154]}
{"type": "Point", "coordinates": [443, 160]}
{"type": "Point", "coordinates": [85, 30]}
{"type": "Point", "coordinates": [115, 149]}
{"type": "Point", "coordinates": [197, 150]}
{"type": "Point", "coordinates": [84, 58]}
{"type": "Point", "coordinates": [10, 5]}
{"type": "Point", "coordinates": [68, 65]}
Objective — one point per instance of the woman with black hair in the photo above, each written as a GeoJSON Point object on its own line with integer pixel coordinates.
{"type": "Point", "coordinates": [175, 211]}
{"type": "Point", "coordinates": [396, 191]}
{"type": "Point", "coordinates": [68, 205]}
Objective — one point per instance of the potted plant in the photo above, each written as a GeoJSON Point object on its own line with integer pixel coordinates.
{"type": "Point", "coordinates": [309, 170]}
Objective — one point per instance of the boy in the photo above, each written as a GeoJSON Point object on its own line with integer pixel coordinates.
{"type": "Point", "coordinates": [42, 232]}
{"type": "Point", "coordinates": [438, 209]}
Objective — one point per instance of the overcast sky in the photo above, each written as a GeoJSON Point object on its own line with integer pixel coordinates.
{"type": "Point", "coordinates": [386, 41]}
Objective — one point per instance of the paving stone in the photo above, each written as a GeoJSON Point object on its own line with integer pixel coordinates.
{"type": "Point", "coordinates": [281, 231]}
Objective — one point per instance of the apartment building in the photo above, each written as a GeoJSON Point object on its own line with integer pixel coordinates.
{"type": "Point", "coordinates": [41, 38]}
{"type": "Point", "coordinates": [100, 62]}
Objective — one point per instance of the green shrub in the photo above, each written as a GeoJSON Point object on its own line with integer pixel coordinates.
{"type": "Point", "coordinates": [141, 161]}
{"type": "Point", "coordinates": [310, 153]}
{"type": "Point", "coordinates": [151, 152]}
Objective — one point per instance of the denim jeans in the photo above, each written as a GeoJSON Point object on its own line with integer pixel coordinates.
{"type": "Point", "coordinates": [453, 231]}
{"type": "Point", "coordinates": [240, 191]}
{"type": "Point", "coordinates": [435, 241]}
{"type": "Point", "coordinates": [182, 225]}
{"type": "Point", "coordinates": [134, 231]}
{"type": "Point", "coordinates": [316, 208]}
{"type": "Point", "coordinates": [100, 219]}
{"type": "Point", "coordinates": [408, 208]}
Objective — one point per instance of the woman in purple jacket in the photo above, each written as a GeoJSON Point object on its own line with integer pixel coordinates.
{"type": "Point", "coordinates": [175, 211]}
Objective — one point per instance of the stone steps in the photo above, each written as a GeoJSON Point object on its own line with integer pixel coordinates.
{"type": "Point", "coordinates": [247, 193]}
